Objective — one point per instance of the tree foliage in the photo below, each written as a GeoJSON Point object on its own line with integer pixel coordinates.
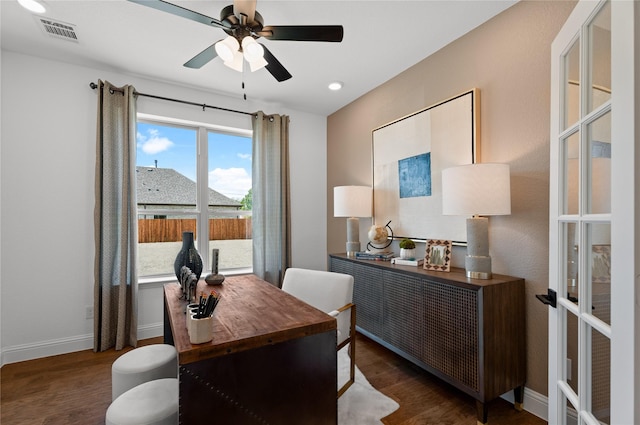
{"type": "Point", "coordinates": [247, 201]}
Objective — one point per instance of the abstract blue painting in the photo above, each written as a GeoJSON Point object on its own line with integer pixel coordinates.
{"type": "Point", "coordinates": [414, 176]}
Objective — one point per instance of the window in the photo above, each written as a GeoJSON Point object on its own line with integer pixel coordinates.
{"type": "Point", "coordinates": [192, 177]}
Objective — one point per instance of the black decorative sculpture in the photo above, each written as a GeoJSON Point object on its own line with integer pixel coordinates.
{"type": "Point", "coordinates": [188, 256]}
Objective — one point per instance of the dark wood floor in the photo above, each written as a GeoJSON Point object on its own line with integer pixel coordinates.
{"type": "Point", "coordinates": [423, 398]}
{"type": "Point", "coordinates": [75, 389]}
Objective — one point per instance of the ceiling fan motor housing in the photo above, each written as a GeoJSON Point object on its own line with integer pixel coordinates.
{"type": "Point", "coordinates": [240, 28]}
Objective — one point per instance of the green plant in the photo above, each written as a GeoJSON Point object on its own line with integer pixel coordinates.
{"type": "Point", "coordinates": [407, 244]}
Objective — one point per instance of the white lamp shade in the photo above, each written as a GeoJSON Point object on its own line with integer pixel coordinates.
{"type": "Point", "coordinates": [352, 201]}
{"type": "Point", "coordinates": [252, 49]}
{"type": "Point", "coordinates": [257, 64]}
{"type": "Point", "coordinates": [227, 48]}
{"type": "Point", "coordinates": [476, 189]}
{"type": "Point", "coordinates": [236, 62]}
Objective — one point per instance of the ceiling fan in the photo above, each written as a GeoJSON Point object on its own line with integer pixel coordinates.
{"type": "Point", "coordinates": [243, 24]}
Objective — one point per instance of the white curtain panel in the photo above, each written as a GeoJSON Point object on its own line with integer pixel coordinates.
{"type": "Point", "coordinates": [116, 225]}
{"type": "Point", "coordinates": [271, 209]}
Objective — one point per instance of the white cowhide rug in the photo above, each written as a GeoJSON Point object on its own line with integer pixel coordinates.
{"type": "Point", "coordinates": [361, 404]}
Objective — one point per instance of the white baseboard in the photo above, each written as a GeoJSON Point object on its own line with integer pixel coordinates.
{"type": "Point", "coordinates": [54, 347]}
{"type": "Point", "coordinates": [533, 402]}
{"type": "Point", "coordinates": [150, 331]}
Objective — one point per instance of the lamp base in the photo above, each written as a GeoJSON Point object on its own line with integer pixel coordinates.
{"type": "Point", "coordinates": [478, 275]}
{"type": "Point", "coordinates": [478, 262]}
{"type": "Point", "coordinates": [478, 266]}
{"type": "Point", "coordinates": [352, 248]}
{"type": "Point", "coordinates": [353, 236]}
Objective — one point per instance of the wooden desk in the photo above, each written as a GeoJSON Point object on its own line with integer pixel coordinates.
{"type": "Point", "coordinates": [272, 359]}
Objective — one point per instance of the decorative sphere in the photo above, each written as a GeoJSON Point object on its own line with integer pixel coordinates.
{"type": "Point", "coordinates": [378, 235]}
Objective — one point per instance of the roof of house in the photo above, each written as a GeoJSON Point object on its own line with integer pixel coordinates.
{"type": "Point", "coordinates": [165, 186]}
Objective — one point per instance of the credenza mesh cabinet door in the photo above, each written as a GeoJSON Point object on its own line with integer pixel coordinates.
{"type": "Point", "coordinates": [368, 298]}
{"type": "Point", "coordinates": [404, 321]}
{"type": "Point", "coordinates": [367, 293]}
{"type": "Point", "coordinates": [450, 339]}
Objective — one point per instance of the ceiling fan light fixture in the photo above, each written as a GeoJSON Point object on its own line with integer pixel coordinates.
{"type": "Point", "coordinates": [252, 49]}
{"type": "Point", "coordinates": [235, 62]}
{"type": "Point", "coordinates": [32, 6]}
{"type": "Point", "coordinates": [257, 64]}
{"type": "Point", "coordinates": [227, 48]}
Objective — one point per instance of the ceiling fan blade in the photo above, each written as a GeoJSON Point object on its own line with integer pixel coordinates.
{"type": "Point", "coordinates": [303, 32]}
{"type": "Point", "coordinates": [202, 58]}
{"type": "Point", "coordinates": [274, 66]}
{"type": "Point", "coordinates": [245, 7]}
{"type": "Point", "coordinates": [182, 12]}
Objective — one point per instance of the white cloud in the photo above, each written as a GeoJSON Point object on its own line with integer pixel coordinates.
{"type": "Point", "coordinates": [244, 155]}
{"type": "Point", "coordinates": [153, 143]}
{"type": "Point", "coordinates": [231, 182]}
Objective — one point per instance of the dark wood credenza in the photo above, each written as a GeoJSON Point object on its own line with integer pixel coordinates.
{"type": "Point", "coordinates": [468, 332]}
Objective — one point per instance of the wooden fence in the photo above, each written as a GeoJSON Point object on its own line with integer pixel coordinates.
{"type": "Point", "coordinates": [170, 230]}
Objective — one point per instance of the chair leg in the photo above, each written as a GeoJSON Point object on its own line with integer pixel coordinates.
{"type": "Point", "coordinates": [352, 353]}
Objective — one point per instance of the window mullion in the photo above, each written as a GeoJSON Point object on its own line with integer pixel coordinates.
{"type": "Point", "coordinates": [203, 197]}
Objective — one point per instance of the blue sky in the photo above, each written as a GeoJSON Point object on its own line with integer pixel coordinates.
{"type": "Point", "coordinates": [175, 147]}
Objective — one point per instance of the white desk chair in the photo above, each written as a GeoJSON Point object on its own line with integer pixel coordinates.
{"type": "Point", "coordinates": [332, 293]}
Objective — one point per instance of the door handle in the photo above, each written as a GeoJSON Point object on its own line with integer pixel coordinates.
{"type": "Point", "coordinates": [549, 299]}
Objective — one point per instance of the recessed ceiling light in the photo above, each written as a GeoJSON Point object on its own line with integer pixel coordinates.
{"type": "Point", "coordinates": [32, 6]}
{"type": "Point", "coordinates": [336, 85]}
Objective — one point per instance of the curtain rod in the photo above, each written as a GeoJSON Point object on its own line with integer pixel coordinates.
{"type": "Point", "coordinates": [203, 105]}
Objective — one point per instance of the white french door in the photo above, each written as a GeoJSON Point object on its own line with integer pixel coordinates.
{"type": "Point", "coordinates": [592, 259]}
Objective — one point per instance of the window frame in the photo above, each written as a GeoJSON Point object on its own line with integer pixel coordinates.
{"type": "Point", "coordinates": [201, 211]}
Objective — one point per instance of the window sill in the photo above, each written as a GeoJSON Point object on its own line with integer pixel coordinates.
{"type": "Point", "coordinates": [161, 280]}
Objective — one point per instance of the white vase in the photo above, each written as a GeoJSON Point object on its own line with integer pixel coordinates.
{"type": "Point", "coordinates": [408, 254]}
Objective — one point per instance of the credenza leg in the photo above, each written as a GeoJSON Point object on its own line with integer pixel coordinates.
{"type": "Point", "coordinates": [518, 398]}
{"type": "Point", "coordinates": [482, 412]}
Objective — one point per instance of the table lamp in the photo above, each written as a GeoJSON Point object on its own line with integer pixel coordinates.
{"type": "Point", "coordinates": [477, 190]}
{"type": "Point", "coordinates": [352, 202]}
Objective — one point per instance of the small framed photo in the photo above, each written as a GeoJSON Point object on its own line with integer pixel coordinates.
{"type": "Point", "coordinates": [438, 255]}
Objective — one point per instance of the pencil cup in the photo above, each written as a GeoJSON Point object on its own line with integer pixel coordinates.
{"type": "Point", "coordinates": [200, 330]}
{"type": "Point", "coordinates": [192, 309]}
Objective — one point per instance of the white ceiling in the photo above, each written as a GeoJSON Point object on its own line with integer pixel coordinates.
{"type": "Point", "coordinates": [381, 39]}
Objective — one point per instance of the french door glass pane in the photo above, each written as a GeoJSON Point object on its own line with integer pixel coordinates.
{"type": "Point", "coordinates": [600, 376]}
{"type": "Point", "coordinates": [599, 264]}
{"type": "Point", "coordinates": [572, 415]}
{"type": "Point", "coordinates": [599, 133]}
{"type": "Point", "coordinates": [600, 59]}
{"type": "Point", "coordinates": [570, 157]}
{"type": "Point", "coordinates": [572, 85]}
{"type": "Point", "coordinates": [572, 352]}
{"type": "Point", "coordinates": [570, 236]}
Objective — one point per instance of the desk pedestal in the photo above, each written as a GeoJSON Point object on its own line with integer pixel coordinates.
{"type": "Point", "coordinates": [278, 384]}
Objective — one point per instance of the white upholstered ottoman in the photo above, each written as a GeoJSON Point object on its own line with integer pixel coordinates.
{"type": "Point", "coordinates": [141, 365]}
{"type": "Point", "coordinates": [152, 403]}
